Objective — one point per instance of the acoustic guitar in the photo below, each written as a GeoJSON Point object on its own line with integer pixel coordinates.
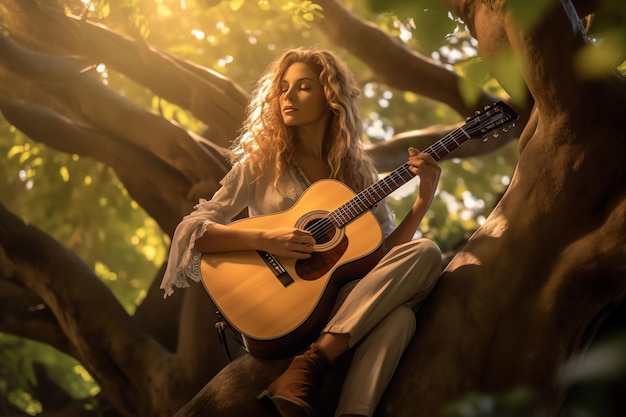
{"type": "Point", "coordinates": [280, 304]}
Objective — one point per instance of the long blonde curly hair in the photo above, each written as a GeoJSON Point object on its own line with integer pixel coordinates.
{"type": "Point", "coordinates": [267, 142]}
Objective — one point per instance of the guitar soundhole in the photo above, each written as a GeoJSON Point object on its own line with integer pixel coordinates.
{"type": "Point", "coordinates": [331, 243]}
{"type": "Point", "coordinates": [324, 231]}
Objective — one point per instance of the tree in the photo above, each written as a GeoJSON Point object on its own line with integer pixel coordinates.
{"type": "Point", "coordinates": [166, 168]}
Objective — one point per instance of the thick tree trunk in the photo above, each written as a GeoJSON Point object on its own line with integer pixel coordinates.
{"type": "Point", "coordinates": [532, 285]}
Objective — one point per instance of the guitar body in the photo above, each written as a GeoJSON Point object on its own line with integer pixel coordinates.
{"type": "Point", "coordinates": [281, 304]}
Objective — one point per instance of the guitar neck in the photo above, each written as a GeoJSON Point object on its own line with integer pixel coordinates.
{"type": "Point", "coordinates": [367, 198]}
{"type": "Point", "coordinates": [497, 116]}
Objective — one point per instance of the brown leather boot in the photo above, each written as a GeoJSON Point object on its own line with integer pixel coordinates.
{"type": "Point", "coordinates": [291, 392]}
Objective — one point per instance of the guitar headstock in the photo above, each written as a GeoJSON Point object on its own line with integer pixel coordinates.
{"type": "Point", "coordinates": [491, 120]}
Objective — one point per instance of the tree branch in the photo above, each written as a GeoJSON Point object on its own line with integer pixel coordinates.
{"type": "Point", "coordinates": [209, 96]}
{"type": "Point", "coordinates": [24, 314]}
{"type": "Point", "coordinates": [105, 340]}
{"type": "Point", "coordinates": [393, 62]}
{"type": "Point", "coordinates": [173, 171]}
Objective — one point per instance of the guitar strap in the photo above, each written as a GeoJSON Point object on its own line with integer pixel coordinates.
{"type": "Point", "coordinates": [223, 329]}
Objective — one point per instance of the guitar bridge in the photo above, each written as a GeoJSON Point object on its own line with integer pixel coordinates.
{"type": "Point", "coordinates": [277, 268]}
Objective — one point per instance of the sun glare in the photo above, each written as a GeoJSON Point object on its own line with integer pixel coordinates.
{"type": "Point", "coordinates": [90, 5]}
{"type": "Point", "coordinates": [198, 34]}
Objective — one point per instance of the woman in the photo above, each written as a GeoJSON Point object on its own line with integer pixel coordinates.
{"type": "Point", "coordinates": [302, 126]}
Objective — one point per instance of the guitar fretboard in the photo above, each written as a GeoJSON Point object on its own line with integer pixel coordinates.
{"type": "Point", "coordinates": [478, 126]}
{"type": "Point", "coordinates": [367, 198]}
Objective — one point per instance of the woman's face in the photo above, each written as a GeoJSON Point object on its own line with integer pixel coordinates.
{"type": "Point", "coordinates": [302, 100]}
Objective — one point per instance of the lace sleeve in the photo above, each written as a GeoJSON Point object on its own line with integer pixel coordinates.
{"type": "Point", "coordinates": [188, 263]}
{"type": "Point", "coordinates": [184, 260]}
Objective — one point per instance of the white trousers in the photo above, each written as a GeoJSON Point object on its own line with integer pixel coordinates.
{"type": "Point", "coordinates": [378, 312]}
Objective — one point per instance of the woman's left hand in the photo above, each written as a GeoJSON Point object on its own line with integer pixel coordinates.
{"type": "Point", "coordinates": [424, 166]}
{"type": "Point", "coordinates": [429, 171]}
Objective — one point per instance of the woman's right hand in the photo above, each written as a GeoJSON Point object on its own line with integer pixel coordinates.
{"type": "Point", "coordinates": [289, 242]}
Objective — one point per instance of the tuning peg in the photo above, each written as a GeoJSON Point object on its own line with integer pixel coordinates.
{"type": "Point", "coordinates": [495, 134]}
{"type": "Point", "coordinates": [505, 129]}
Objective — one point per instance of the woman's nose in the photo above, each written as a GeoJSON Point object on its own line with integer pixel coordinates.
{"type": "Point", "coordinates": [289, 95]}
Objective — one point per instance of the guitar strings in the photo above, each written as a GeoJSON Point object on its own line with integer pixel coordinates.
{"type": "Point", "coordinates": [370, 196]}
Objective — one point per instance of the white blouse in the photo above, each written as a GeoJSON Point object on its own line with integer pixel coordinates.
{"type": "Point", "coordinates": [238, 191]}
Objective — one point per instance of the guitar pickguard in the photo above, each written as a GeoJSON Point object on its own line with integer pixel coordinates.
{"type": "Point", "coordinates": [320, 263]}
